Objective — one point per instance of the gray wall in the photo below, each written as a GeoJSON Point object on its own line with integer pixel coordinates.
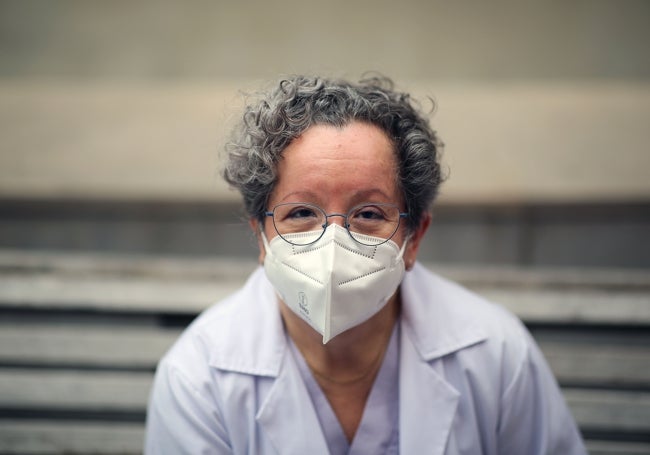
{"type": "Point", "coordinates": [414, 39]}
{"type": "Point", "coordinates": [112, 115]}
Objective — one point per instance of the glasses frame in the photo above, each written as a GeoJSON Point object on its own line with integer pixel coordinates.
{"type": "Point", "coordinates": [345, 216]}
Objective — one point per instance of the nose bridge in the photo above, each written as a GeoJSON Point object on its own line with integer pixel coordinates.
{"type": "Point", "coordinates": [343, 217]}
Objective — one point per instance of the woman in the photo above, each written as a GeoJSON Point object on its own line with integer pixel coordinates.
{"type": "Point", "coordinates": [342, 343]}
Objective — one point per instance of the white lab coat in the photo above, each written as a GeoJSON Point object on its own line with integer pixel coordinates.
{"type": "Point", "coordinates": [471, 381]}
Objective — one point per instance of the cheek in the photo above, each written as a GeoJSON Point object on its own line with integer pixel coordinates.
{"type": "Point", "coordinates": [255, 226]}
{"type": "Point", "coordinates": [403, 234]}
{"type": "Point", "coordinates": [410, 256]}
{"type": "Point", "coordinates": [269, 229]}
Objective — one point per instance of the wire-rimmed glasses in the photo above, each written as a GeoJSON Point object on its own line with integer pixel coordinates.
{"type": "Point", "coordinates": [369, 224]}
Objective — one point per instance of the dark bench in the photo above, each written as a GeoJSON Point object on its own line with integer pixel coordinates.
{"type": "Point", "coordinates": [80, 337]}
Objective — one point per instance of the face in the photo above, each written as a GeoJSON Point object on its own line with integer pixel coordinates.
{"type": "Point", "coordinates": [337, 169]}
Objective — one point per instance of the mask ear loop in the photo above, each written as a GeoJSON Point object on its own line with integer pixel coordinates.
{"type": "Point", "coordinates": [400, 255]}
{"type": "Point", "coordinates": [267, 248]}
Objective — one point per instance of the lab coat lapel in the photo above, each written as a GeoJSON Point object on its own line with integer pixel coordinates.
{"type": "Point", "coordinates": [289, 401]}
{"type": "Point", "coordinates": [427, 404]}
{"type": "Point", "coordinates": [432, 327]}
{"type": "Point", "coordinates": [266, 354]}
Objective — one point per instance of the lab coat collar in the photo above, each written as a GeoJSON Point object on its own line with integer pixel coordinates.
{"type": "Point", "coordinates": [427, 404]}
{"type": "Point", "coordinates": [432, 327]}
{"type": "Point", "coordinates": [253, 341]}
{"type": "Point", "coordinates": [431, 317]}
{"type": "Point", "coordinates": [288, 401]}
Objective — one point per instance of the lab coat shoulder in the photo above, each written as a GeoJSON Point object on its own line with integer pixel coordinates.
{"type": "Point", "coordinates": [508, 399]}
{"type": "Point", "coordinates": [443, 318]}
{"type": "Point", "coordinates": [229, 335]}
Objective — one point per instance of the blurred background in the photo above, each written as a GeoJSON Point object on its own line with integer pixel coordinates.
{"type": "Point", "coordinates": [113, 116]}
{"type": "Point", "coordinates": [116, 229]}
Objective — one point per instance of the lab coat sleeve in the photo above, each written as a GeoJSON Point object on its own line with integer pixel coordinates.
{"type": "Point", "coordinates": [181, 418]}
{"type": "Point", "coordinates": [534, 418]}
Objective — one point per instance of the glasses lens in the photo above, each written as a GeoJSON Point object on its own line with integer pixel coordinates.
{"type": "Point", "coordinates": [299, 223]}
{"type": "Point", "coordinates": [373, 224]}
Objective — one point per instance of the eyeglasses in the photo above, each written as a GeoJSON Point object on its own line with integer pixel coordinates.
{"type": "Point", "coordinates": [368, 224]}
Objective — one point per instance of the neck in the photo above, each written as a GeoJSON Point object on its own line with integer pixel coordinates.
{"type": "Point", "coordinates": [351, 357]}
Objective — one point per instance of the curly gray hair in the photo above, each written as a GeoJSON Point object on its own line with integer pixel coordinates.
{"type": "Point", "coordinates": [273, 121]}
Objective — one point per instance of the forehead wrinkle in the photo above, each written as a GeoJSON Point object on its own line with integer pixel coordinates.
{"type": "Point", "coordinates": [349, 164]}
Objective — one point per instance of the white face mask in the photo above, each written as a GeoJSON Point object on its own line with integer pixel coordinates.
{"type": "Point", "coordinates": [335, 283]}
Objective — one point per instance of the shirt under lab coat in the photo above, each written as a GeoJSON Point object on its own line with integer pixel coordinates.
{"type": "Point", "coordinates": [471, 381]}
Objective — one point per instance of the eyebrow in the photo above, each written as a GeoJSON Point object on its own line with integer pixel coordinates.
{"type": "Point", "coordinates": [308, 194]}
{"type": "Point", "coordinates": [360, 196]}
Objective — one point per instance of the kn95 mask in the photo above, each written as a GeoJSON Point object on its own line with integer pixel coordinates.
{"type": "Point", "coordinates": [334, 283]}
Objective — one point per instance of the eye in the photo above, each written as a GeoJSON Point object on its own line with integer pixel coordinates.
{"type": "Point", "coordinates": [369, 213]}
{"type": "Point", "coordinates": [302, 212]}
{"type": "Point", "coordinates": [298, 217]}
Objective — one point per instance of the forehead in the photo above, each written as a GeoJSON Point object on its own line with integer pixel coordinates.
{"type": "Point", "coordinates": [349, 164]}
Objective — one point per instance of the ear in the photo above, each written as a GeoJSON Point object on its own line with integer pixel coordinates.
{"type": "Point", "coordinates": [255, 226]}
{"type": "Point", "coordinates": [411, 251]}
